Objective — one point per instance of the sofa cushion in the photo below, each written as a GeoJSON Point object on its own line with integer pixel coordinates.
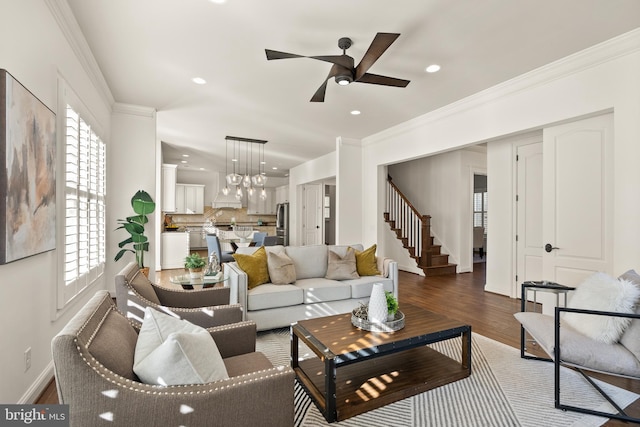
{"type": "Point", "coordinates": [246, 363]}
{"type": "Point", "coordinates": [114, 345]}
{"type": "Point", "coordinates": [631, 336]}
{"type": "Point", "coordinates": [309, 261]}
{"type": "Point", "coordinates": [273, 296]}
{"type": "Point", "coordinates": [342, 249]}
{"type": "Point", "coordinates": [577, 348]}
{"type": "Point", "coordinates": [249, 250]}
{"type": "Point", "coordinates": [321, 290]}
{"type": "Point", "coordinates": [362, 286]}
{"type": "Point", "coordinates": [281, 268]}
{"type": "Point", "coordinates": [144, 288]}
{"type": "Point", "coordinates": [171, 351]}
{"type": "Point", "coordinates": [602, 292]}
{"type": "Point", "coordinates": [366, 262]}
{"type": "Point", "coordinates": [255, 265]}
{"type": "Point", "coordinates": [341, 267]}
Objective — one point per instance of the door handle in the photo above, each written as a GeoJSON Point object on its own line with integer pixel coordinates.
{"type": "Point", "coordinates": [549, 248]}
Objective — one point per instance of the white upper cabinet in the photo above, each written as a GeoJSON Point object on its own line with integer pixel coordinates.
{"type": "Point", "coordinates": [189, 198]}
{"type": "Point", "coordinates": [282, 194]}
{"type": "Point", "coordinates": [169, 173]}
{"type": "Point", "coordinates": [257, 206]}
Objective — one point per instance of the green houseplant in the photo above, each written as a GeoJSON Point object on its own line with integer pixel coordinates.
{"type": "Point", "coordinates": [142, 205]}
{"type": "Point", "coordinates": [194, 263]}
{"type": "Point", "coordinates": [392, 305]}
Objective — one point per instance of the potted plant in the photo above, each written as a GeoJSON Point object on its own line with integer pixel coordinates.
{"type": "Point", "coordinates": [392, 306]}
{"type": "Point", "coordinates": [142, 205]}
{"type": "Point", "coordinates": [195, 263]}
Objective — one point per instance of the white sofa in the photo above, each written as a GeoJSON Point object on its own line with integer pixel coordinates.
{"type": "Point", "coordinates": [311, 295]}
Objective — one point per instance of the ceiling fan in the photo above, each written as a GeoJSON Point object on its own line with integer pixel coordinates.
{"type": "Point", "coordinates": [343, 68]}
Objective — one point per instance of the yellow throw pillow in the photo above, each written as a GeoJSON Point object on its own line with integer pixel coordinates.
{"type": "Point", "coordinates": [255, 265]}
{"type": "Point", "coordinates": [366, 262]}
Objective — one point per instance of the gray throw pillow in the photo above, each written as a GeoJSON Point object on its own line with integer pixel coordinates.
{"type": "Point", "coordinates": [342, 267]}
{"type": "Point", "coordinates": [281, 268]}
{"type": "Point", "coordinates": [171, 351]}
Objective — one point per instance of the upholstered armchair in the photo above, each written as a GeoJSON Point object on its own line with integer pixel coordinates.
{"type": "Point", "coordinates": [598, 332]}
{"type": "Point", "coordinates": [93, 359]}
{"type": "Point", "coordinates": [205, 307]}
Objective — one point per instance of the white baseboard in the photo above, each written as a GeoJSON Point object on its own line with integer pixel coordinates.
{"type": "Point", "coordinates": [38, 386]}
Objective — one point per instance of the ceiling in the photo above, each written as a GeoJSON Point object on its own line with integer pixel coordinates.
{"type": "Point", "coordinates": [149, 50]}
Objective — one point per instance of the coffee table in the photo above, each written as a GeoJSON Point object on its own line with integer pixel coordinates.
{"type": "Point", "coordinates": [356, 370]}
{"type": "Point", "coordinates": [187, 282]}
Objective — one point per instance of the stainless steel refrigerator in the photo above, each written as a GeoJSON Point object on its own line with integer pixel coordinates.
{"type": "Point", "coordinates": [282, 223]}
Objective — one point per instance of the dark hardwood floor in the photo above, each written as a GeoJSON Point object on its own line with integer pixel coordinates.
{"type": "Point", "coordinates": [461, 297]}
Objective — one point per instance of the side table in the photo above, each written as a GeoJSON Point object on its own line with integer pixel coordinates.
{"type": "Point", "coordinates": [539, 286]}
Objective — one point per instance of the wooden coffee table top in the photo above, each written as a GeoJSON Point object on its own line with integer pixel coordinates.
{"type": "Point", "coordinates": [336, 336]}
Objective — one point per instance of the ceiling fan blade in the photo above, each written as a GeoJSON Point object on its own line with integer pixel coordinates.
{"type": "Point", "coordinates": [344, 60]}
{"type": "Point", "coordinates": [382, 80]}
{"type": "Point", "coordinates": [274, 54]}
{"type": "Point", "coordinates": [319, 95]}
{"type": "Point", "coordinates": [378, 46]}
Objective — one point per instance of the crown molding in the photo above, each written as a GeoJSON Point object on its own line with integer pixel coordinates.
{"type": "Point", "coordinates": [134, 110]}
{"type": "Point", "coordinates": [67, 22]}
{"type": "Point", "coordinates": [600, 53]}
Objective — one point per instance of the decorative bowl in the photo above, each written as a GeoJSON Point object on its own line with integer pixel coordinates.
{"type": "Point", "coordinates": [394, 325]}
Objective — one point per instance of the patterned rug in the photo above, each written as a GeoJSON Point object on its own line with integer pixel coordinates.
{"type": "Point", "coordinates": [503, 390]}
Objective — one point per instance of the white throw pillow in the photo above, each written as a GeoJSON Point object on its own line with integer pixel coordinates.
{"type": "Point", "coordinates": [171, 351]}
{"type": "Point", "coordinates": [604, 293]}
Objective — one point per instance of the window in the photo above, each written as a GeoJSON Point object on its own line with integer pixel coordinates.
{"type": "Point", "coordinates": [480, 210]}
{"type": "Point", "coordinates": [84, 207]}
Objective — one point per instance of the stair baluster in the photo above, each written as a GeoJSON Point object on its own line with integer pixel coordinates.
{"type": "Point", "coordinates": [414, 231]}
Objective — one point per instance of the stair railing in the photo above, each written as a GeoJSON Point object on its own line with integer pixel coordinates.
{"type": "Point", "coordinates": [414, 229]}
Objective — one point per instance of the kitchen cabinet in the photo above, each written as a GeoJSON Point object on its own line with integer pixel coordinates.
{"type": "Point", "coordinates": [169, 176]}
{"type": "Point", "coordinates": [257, 206]}
{"type": "Point", "coordinates": [175, 248]}
{"type": "Point", "coordinates": [189, 198]}
{"type": "Point", "coordinates": [282, 194]}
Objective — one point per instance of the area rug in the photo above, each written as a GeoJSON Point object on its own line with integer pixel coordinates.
{"type": "Point", "coordinates": [503, 390]}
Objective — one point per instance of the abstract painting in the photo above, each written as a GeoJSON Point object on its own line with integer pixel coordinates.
{"type": "Point", "coordinates": [28, 178]}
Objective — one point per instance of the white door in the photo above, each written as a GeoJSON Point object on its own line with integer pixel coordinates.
{"type": "Point", "coordinates": [577, 199]}
{"type": "Point", "coordinates": [529, 244]}
{"type": "Point", "coordinates": [312, 214]}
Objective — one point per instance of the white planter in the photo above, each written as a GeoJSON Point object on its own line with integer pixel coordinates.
{"type": "Point", "coordinates": [377, 311]}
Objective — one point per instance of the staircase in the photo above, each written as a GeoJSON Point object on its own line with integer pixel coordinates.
{"type": "Point", "coordinates": [414, 231]}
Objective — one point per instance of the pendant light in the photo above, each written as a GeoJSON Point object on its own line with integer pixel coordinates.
{"type": "Point", "coordinates": [234, 178]}
{"type": "Point", "coordinates": [226, 190]}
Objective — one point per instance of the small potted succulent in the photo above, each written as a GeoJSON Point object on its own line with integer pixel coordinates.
{"type": "Point", "coordinates": [195, 264]}
{"type": "Point", "coordinates": [392, 306]}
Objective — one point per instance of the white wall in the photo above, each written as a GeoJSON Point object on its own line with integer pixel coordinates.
{"type": "Point", "coordinates": [349, 191]}
{"type": "Point", "coordinates": [602, 78]}
{"type": "Point", "coordinates": [34, 50]}
{"type": "Point", "coordinates": [317, 170]}
{"type": "Point", "coordinates": [131, 166]}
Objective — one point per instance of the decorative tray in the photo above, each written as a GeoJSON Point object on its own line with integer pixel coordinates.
{"type": "Point", "coordinates": [394, 325]}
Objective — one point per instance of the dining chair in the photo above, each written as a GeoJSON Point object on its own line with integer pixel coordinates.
{"type": "Point", "coordinates": [213, 245]}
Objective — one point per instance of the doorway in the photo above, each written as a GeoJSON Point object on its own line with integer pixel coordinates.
{"type": "Point", "coordinates": [480, 215]}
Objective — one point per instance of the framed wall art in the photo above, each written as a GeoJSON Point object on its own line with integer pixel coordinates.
{"type": "Point", "coordinates": [28, 173]}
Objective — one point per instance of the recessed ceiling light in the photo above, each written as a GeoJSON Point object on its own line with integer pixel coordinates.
{"type": "Point", "coordinates": [199, 80]}
{"type": "Point", "coordinates": [263, 162]}
{"type": "Point", "coordinates": [201, 169]}
{"type": "Point", "coordinates": [234, 160]}
{"type": "Point", "coordinates": [355, 112]}
{"type": "Point", "coordinates": [218, 1]}
{"type": "Point", "coordinates": [183, 161]}
{"type": "Point", "coordinates": [185, 155]}
{"type": "Point", "coordinates": [274, 168]}
{"type": "Point", "coordinates": [433, 68]}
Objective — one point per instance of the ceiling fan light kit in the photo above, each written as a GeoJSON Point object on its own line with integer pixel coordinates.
{"type": "Point", "coordinates": [343, 70]}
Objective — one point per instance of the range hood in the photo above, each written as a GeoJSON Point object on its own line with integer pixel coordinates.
{"type": "Point", "coordinates": [226, 202]}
